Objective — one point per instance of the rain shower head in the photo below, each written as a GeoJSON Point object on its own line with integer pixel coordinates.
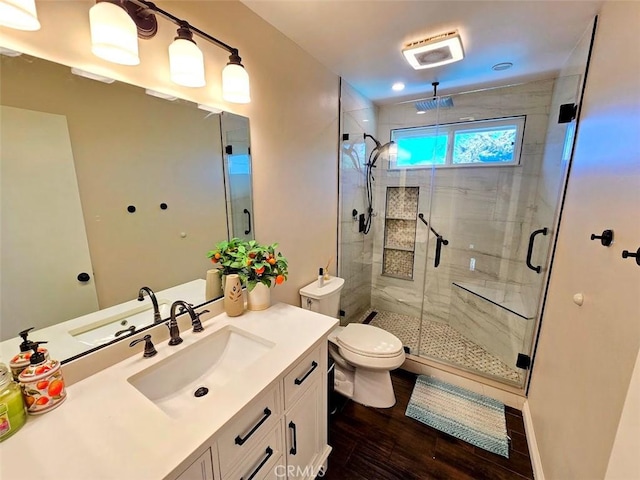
{"type": "Point", "coordinates": [435, 102]}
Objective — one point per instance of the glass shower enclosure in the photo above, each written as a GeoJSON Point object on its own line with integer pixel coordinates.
{"type": "Point", "coordinates": [463, 219]}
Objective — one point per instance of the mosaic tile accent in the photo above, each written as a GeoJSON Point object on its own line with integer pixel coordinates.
{"type": "Point", "coordinates": [398, 263]}
{"type": "Point", "coordinates": [442, 342]}
{"type": "Point", "coordinates": [401, 233]}
{"type": "Point", "coordinates": [402, 202]}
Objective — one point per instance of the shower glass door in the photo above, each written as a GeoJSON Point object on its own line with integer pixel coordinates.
{"type": "Point", "coordinates": [492, 218]}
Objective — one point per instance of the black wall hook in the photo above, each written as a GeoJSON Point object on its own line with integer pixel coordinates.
{"type": "Point", "coordinates": [636, 255]}
{"type": "Point", "coordinates": [606, 239]}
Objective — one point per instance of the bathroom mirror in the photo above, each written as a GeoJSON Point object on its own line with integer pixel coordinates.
{"type": "Point", "coordinates": [107, 188]}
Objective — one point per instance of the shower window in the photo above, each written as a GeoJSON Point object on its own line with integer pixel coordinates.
{"type": "Point", "coordinates": [476, 143]}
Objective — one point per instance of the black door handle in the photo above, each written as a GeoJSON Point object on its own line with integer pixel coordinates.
{"type": "Point", "coordinates": [439, 243]}
{"type": "Point", "coordinates": [83, 277]}
{"type": "Point", "coordinates": [532, 239]}
{"type": "Point", "coordinates": [294, 439]}
{"type": "Point", "coordinates": [248, 230]}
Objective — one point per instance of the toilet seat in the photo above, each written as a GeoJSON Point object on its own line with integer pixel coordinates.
{"type": "Point", "coordinates": [369, 341]}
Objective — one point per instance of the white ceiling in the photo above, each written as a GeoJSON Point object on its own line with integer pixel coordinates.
{"type": "Point", "coordinates": [362, 40]}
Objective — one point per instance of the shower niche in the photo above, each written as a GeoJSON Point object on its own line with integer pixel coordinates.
{"type": "Point", "coordinates": [401, 214]}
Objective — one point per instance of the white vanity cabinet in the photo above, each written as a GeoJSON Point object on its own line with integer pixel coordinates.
{"type": "Point", "coordinates": [201, 469]}
{"type": "Point", "coordinates": [281, 434]}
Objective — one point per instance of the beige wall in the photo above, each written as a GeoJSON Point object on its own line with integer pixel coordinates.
{"type": "Point", "coordinates": [293, 114]}
{"type": "Point", "coordinates": [586, 355]}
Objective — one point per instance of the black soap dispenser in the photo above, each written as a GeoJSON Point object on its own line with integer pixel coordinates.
{"type": "Point", "coordinates": [42, 383]}
{"type": "Point", "coordinates": [23, 359]}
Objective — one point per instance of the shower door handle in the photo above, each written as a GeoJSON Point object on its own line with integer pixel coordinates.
{"type": "Point", "coordinates": [436, 261]}
{"type": "Point", "coordinates": [532, 239]}
{"type": "Point", "coordinates": [248, 230]}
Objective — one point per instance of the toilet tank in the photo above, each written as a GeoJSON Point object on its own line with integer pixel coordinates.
{"type": "Point", "coordinates": [325, 299]}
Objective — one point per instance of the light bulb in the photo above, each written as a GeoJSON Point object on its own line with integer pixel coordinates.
{"type": "Point", "coordinates": [235, 84]}
{"type": "Point", "coordinates": [19, 14]}
{"type": "Point", "coordinates": [186, 63]}
{"type": "Point", "coordinates": [114, 35]}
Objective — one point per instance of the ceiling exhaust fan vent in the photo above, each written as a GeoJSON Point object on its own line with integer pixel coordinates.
{"type": "Point", "coordinates": [434, 51]}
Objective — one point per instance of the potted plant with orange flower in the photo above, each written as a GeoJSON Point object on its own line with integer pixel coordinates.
{"type": "Point", "coordinates": [264, 267]}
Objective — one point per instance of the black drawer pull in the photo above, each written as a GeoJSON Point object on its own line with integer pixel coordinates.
{"type": "Point", "coordinates": [314, 365]}
{"type": "Point", "coordinates": [294, 439]}
{"type": "Point", "coordinates": [268, 452]}
{"type": "Point", "coordinates": [240, 440]}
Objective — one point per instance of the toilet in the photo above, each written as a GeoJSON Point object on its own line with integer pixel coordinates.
{"type": "Point", "coordinates": [363, 354]}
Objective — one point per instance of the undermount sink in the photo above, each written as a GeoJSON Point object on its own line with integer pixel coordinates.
{"type": "Point", "coordinates": [178, 383]}
{"type": "Point", "coordinates": [104, 330]}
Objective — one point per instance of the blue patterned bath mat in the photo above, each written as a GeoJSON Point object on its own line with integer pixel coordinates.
{"type": "Point", "coordinates": [466, 415]}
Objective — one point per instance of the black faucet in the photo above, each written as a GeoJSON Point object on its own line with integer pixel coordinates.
{"type": "Point", "coordinates": [195, 317]}
{"type": "Point", "coordinates": [156, 310]}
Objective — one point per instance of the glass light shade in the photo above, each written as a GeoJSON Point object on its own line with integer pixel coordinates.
{"type": "Point", "coordinates": [114, 35]}
{"type": "Point", "coordinates": [186, 63]}
{"type": "Point", "coordinates": [235, 84]}
{"type": "Point", "coordinates": [19, 14]}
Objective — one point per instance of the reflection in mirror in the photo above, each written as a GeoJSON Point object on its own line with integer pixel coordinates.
{"type": "Point", "coordinates": [237, 155]}
{"type": "Point", "coordinates": [104, 190]}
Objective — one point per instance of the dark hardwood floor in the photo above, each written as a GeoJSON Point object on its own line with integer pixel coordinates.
{"type": "Point", "coordinates": [384, 444]}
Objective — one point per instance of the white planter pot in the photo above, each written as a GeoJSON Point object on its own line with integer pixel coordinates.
{"type": "Point", "coordinates": [259, 298]}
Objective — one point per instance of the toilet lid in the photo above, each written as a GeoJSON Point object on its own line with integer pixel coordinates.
{"type": "Point", "coordinates": [369, 341]}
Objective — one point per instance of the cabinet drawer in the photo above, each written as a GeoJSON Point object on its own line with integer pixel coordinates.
{"type": "Point", "coordinates": [260, 462]}
{"type": "Point", "coordinates": [246, 431]}
{"type": "Point", "coordinates": [201, 469]}
{"type": "Point", "coordinates": [302, 375]}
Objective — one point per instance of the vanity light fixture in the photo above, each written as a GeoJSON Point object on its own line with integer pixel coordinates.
{"type": "Point", "coordinates": [116, 26]}
{"type": "Point", "coordinates": [185, 58]}
{"type": "Point", "coordinates": [434, 51]}
{"type": "Point", "coordinates": [19, 14]}
{"type": "Point", "coordinates": [90, 75]}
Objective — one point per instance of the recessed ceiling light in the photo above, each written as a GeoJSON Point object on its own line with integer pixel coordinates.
{"type": "Point", "coordinates": [502, 66]}
{"type": "Point", "coordinates": [397, 87]}
{"type": "Point", "coordinates": [365, 119]}
{"type": "Point", "coordinates": [420, 112]}
{"type": "Point", "coordinates": [434, 51]}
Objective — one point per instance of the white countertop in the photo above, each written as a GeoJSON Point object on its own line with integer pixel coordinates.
{"type": "Point", "coordinates": [106, 429]}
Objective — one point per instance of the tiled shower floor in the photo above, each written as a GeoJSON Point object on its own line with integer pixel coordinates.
{"type": "Point", "coordinates": [443, 342]}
